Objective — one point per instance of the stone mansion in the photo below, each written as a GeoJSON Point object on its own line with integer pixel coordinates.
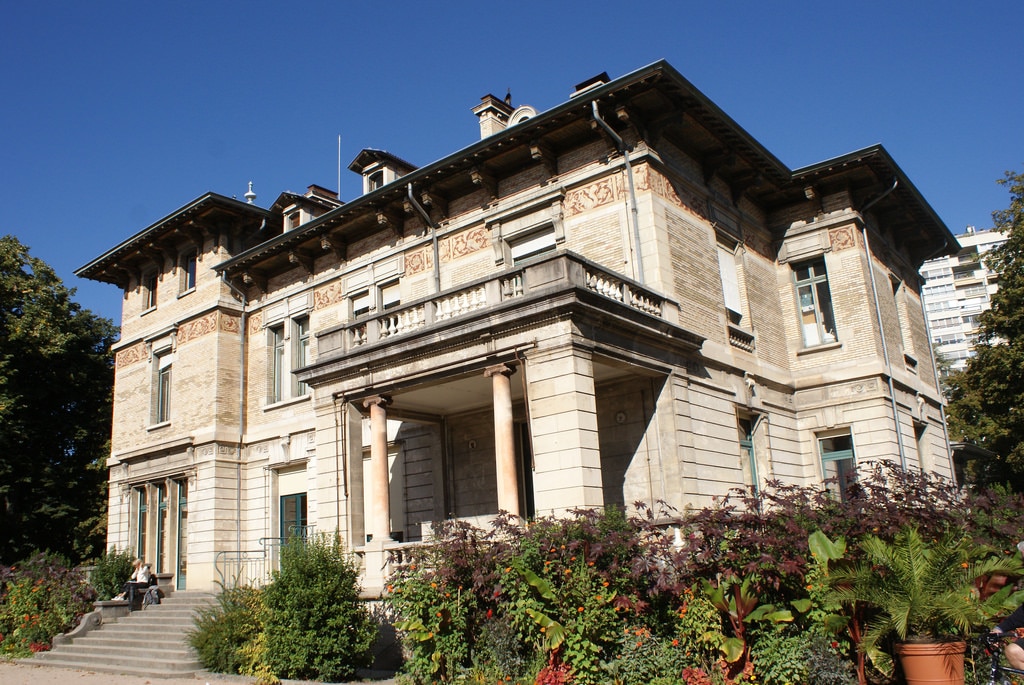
{"type": "Point", "coordinates": [623, 298]}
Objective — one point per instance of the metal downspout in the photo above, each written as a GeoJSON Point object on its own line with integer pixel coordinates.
{"type": "Point", "coordinates": [881, 326]}
{"type": "Point", "coordinates": [241, 412]}
{"type": "Point", "coordinates": [433, 236]}
{"type": "Point", "coordinates": [638, 265]}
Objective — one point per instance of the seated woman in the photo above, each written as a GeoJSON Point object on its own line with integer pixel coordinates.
{"type": "Point", "coordinates": [137, 583]}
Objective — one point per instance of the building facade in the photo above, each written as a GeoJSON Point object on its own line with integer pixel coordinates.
{"type": "Point", "coordinates": [957, 289]}
{"type": "Point", "coordinates": [623, 298]}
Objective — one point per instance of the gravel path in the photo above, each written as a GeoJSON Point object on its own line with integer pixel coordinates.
{"type": "Point", "coordinates": [23, 674]}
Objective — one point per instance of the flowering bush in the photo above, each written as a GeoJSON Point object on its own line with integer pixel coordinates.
{"type": "Point", "coordinates": [724, 595]}
{"type": "Point", "coordinates": [40, 598]}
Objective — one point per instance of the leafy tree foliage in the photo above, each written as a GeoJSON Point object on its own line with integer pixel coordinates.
{"type": "Point", "coordinates": [987, 398]}
{"type": "Point", "coordinates": [56, 380]}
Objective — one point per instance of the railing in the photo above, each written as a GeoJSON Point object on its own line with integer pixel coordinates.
{"type": "Point", "coordinates": [559, 270]}
{"type": "Point", "coordinates": [238, 568]}
{"type": "Point", "coordinates": [241, 568]}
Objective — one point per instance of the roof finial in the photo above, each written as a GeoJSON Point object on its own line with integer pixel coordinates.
{"type": "Point", "coordinates": [250, 196]}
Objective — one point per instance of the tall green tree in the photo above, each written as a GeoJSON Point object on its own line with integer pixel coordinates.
{"type": "Point", "coordinates": [986, 404]}
{"type": "Point", "coordinates": [56, 387]}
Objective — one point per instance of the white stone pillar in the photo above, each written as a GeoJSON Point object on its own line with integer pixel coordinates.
{"type": "Point", "coordinates": [380, 489]}
{"type": "Point", "coordinates": [563, 417]}
{"type": "Point", "coordinates": [504, 438]}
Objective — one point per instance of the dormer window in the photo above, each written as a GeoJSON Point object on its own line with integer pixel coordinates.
{"type": "Point", "coordinates": [294, 219]}
{"type": "Point", "coordinates": [374, 181]}
{"type": "Point", "coordinates": [378, 168]}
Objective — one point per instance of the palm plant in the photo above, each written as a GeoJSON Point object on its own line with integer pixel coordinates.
{"type": "Point", "coordinates": [921, 590]}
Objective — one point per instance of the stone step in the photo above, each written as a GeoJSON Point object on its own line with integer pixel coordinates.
{"type": "Point", "coordinates": [139, 665]}
{"type": "Point", "coordinates": [151, 622]}
{"type": "Point", "coordinates": [127, 643]}
{"type": "Point", "coordinates": [88, 649]}
{"type": "Point", "coordinates": [148, 643]}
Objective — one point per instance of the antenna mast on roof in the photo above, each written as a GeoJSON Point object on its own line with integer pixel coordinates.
{"type": "Point", "coordinates": [339, 166]}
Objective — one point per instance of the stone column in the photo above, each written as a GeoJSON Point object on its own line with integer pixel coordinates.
{"type": "Point", "coordinates": [563, 414]}
{"type": "Point", "coordinates": [504, 438]}
{"type": "Point", "coordinates": [380, 488]}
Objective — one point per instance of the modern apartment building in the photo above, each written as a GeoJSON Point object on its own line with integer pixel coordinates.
{"type": "Point", "coordinates": [957, 288]}
{"type": "Point", "coordinates": [623, 298]}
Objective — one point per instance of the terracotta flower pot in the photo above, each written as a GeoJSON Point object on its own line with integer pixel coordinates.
{"type": "Point", "coordinates": [932, 663]}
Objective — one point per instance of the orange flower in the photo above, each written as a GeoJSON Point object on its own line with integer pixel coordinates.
{"type": "Point", "coordinates": [675, 643]}
{"type": "Point", "coordinates": [580, 609]}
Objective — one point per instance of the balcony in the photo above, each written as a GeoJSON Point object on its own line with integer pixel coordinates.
{"type": "Point", "coordinates": [549, 278]}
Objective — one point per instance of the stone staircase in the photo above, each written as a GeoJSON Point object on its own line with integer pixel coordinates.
{"type": "Point", "coordinates": [148, 643]}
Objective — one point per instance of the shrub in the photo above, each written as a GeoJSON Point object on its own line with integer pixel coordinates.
{"type": "Point", "coordinates": [316, 627]}
{"type": "Point", "coordinates": [225, 630]}
{"type": "Point", "coordinates": [111, 572]}
{"type": "Point", "coordinates": [40, 598]}
{"type": "Point", "coordinates": [565, 590]}
{"type": "Point", "coordinates": [826, 665]}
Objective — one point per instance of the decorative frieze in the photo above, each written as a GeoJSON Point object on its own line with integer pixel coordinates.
{"type": "Point", "coordinates": [255, 322]}
{"type": "Point", "coordinates": [196, 328]}
{"type": "Point", "coordinates": [597, 194]}
{"type": "Point", "coordinates": [852, 389]}
{"type": "Point", "coordinates": [842, 238]}
{"type": "Point", "coordinates": [419, 261]}
{"type": "Point", "coordinates": [130, 355]}
{"type": "Point", "coordinates": [463, 243]}
{"type": "Point", "coordinates": [329, 295]}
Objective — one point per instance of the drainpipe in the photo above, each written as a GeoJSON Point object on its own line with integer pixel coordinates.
{"type": "Point", "coordinates": [241, 412]}
{"type": "Point", "coordinates": [881, 327]}
{"type": "Point", "coordinates": [638, 267]}
{"type": "Point", "coordinates": [433, 236]}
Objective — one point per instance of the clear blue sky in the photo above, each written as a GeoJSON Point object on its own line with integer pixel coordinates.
{"type": "Point", "coordinates": [117, 113]}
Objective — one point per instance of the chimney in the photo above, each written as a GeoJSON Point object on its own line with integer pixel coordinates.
{"type": "Point", "coordinates": [493, 114]}
{"type": "Point", "coordinates": [590, 84]}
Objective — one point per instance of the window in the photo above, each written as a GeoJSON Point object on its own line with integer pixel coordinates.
{"type": "Point", "coordinates": [748, 463]}
{"type": "Point", "coordinates": [141, 520]}
{"type": "Point", "coordinates": [288, 349]}
{"type": "Point", "coordinates": [730, 278]}
{"type": "Point", "coordinates": [375, 180]}
{"type": "Point", "coordinates": [815, 303]}
{"type": "Point", "coordinates": [293, 516]}
{"type": "Point", "coordinates": [921, 438]}
{"type": "Point", "coordinates": [301, 352]}
{"type": "Point", "coordinates": [837, 461]}
{"type": "Point", "coordinates": [188, 271]}
{"type": "Point", "coordinates": [390, 296]}
{"type": "Point", "coordinates": [162, 529]}
{"type": "Point", "coordinates": [360, 303]}
{"type": "Point", "coordinates": [276, 363]}
{"type": "Point", "coordinates": [294, 219]}
{"type": "Point", "coordinates": [533, 244]}
{"type": "Point", "coordinates": [182, 552]}
{"type": "Point", "coordinates": [149, 282]}
{"type": "Point", "coordinates": [162, 387]}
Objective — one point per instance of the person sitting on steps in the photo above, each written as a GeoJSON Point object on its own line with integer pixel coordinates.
{"type": "Point", "coordinates": [138, 582]}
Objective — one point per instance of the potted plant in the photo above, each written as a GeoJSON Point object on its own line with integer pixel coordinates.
{"type": "Point", "coordinates": [922, 600]}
